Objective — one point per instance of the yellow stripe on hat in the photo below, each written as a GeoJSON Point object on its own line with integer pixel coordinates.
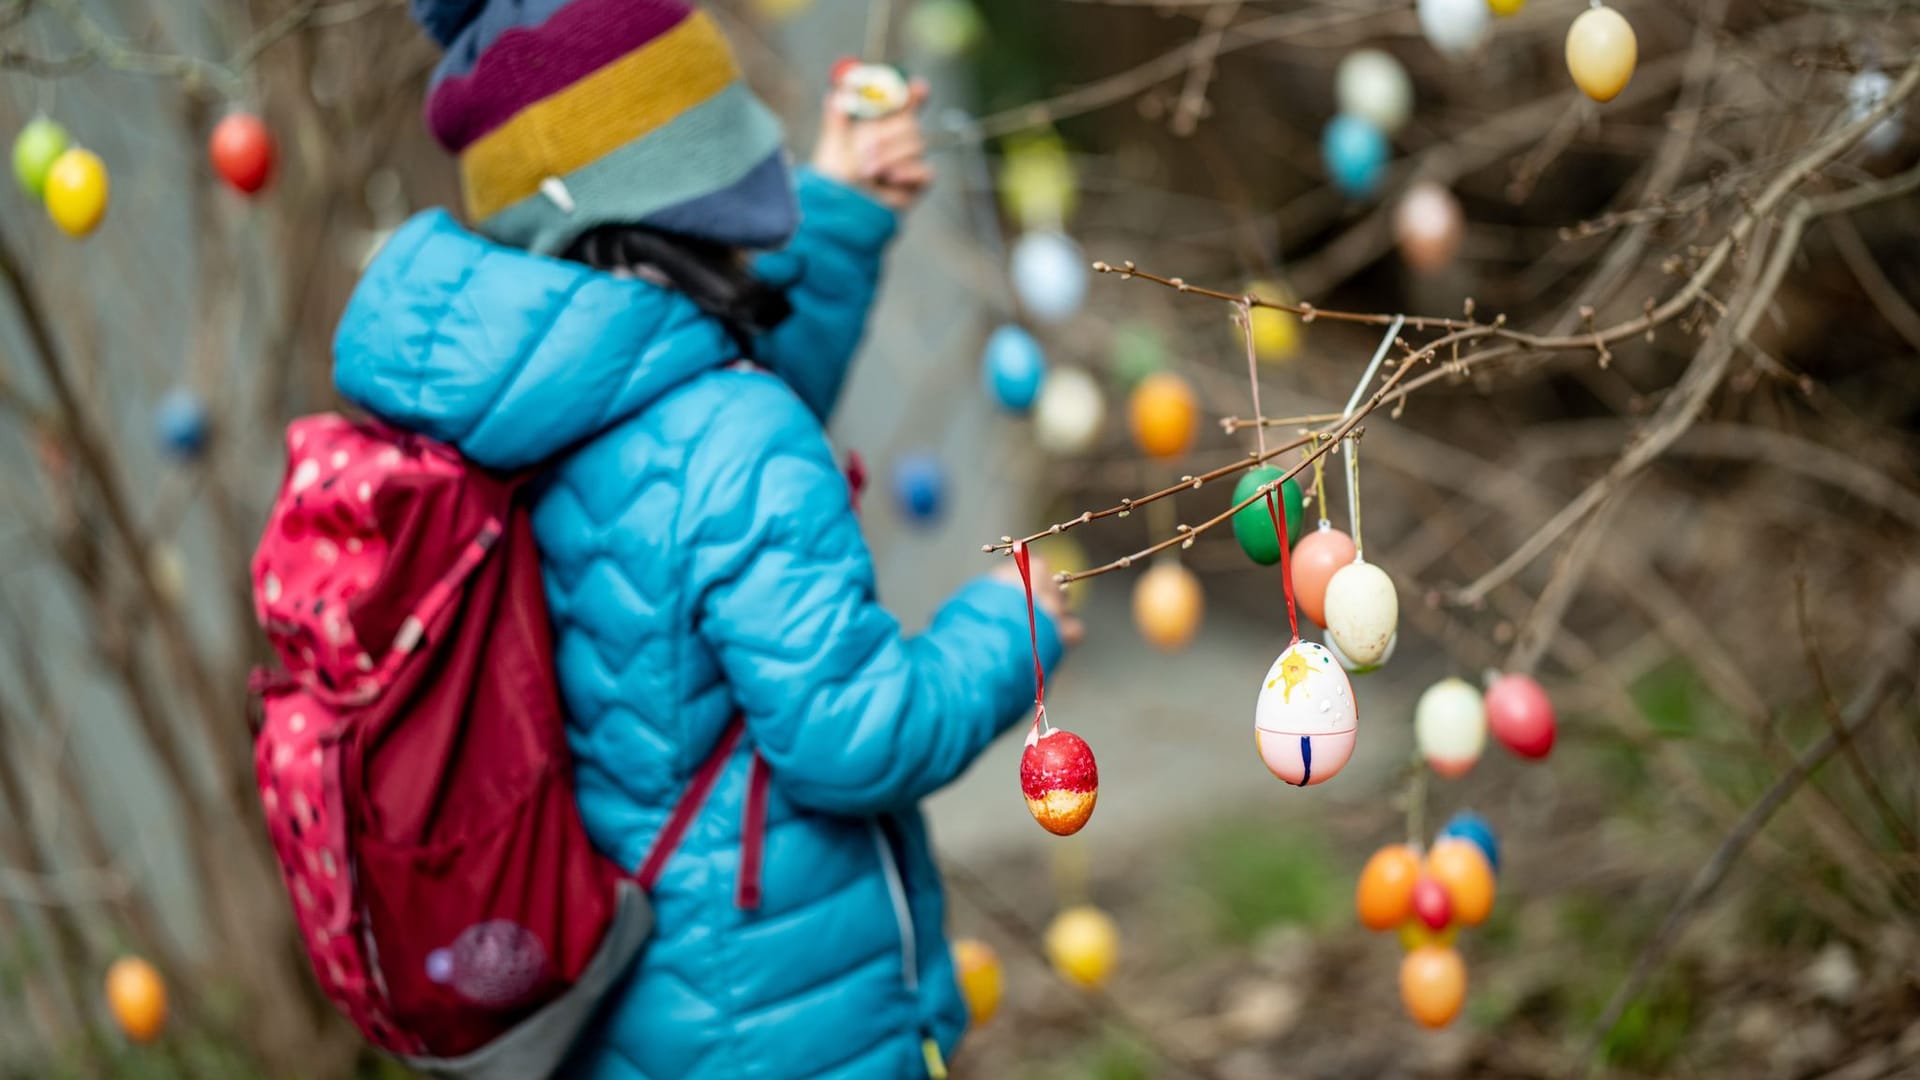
{"type": "Point", "coordinates": [614, 106]}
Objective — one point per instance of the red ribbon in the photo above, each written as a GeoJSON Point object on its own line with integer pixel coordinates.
{"type": "Point", "coordinates": [1286, 560]}
{"type": "Point", "coordinates": [1024, 560]}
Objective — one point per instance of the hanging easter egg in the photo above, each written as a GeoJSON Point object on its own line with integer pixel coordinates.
{"type": "Point", "coordinates": [1082, 943]}
{"type": "Point", "coordinates": [1013, 368]}
{"type": "Point", "coordinates": [76, 191]}
{"type": "Point", "coordinates": [1356, 156]}
{"type": "Point", "coordinates": [1371, 85]}
{"type": "Point", "coordinates": [1037, 181]}
{"type": "Point", "coordinates": [919, 486]}
{"type": "Point", "coordinates": [169, 572]}
{"type": "Point", "coordinates": [1305, 720]}
{"type": "Point", "coordinates": [1454, 27]}
{"type": "Point", "coordinates": [1253, 525]}
{"type": "Point", "coordinates": [1427, 226]}
{"type": "Point", "coordinates": [1138, 352]}
{"type": "Point", "coordinates": [869, 91]}
{"type": "Point", "coordinates": [1520, 715]}
{"type": "Point", "coordinates": [1363, 611]}
{"type": "Point", "coordinates": [1414, 934]}
{"type": "Point", "coordinates": [1352, 668]}
{"type": "Point", "coordinates": [242, 151]}
{"type": "Point", "coordinates": [1068, 415]}
{"type": "Point", "coordinates": [35, 149]}
{"type": "Point", "coordinates": [1601, 52]}
{"type": "Point", "coordinates": [1316, 558]}
{"type": "Point", "coordinates": [1471, 827]}
{"type": "Point", "coordinates": [1504, 8]}
{"type": "Point", "coordinates": [1866, 90]}
{"type": "Point", "coordinates": [945, 28]}
{"type": "Point", "coordinates": [1433, 983]}
{"type": "Point", "coordinates": [1163, 414]}
{"type": "Point", "coordinates": [1460, 867]}
{"type": "Point", "coordinates": [1167, 605]}
{"type": "Point", "coordinates": [1049, 275]}
{"type": "Point", "coordinates": [1060, 780]}
{"type": "Point", "coordinates": [1431, 904]}
{"type": "Point", "coordinates": [1450, 726]}
{"type": "Point", "coordinates": [1383, 896]}
{"type": "Point", "coordinates": [977, 968]}
{"type": "Point", "coordinates": [180, 423]}
{"type": "Point", "coordinates": [137, 997]}
{"type": "Point", "coordinates": [1276, 333]}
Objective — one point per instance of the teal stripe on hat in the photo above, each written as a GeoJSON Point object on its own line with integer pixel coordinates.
{"type": "Point", "coordinates": [704, 153]}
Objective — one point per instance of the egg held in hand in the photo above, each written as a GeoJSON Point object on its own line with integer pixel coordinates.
{"type": "Point", "coordinates": [1305, 720]}
{"type": "Point", "coordinates": [1060, 780]}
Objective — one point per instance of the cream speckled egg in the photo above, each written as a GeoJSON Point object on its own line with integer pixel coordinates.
{"type": "Point", "coordinates": [1450, 726]}
{"type": "Point", "coordinates": [1305, 719]}
{"type": "Point", "coordinates": [1363, 611]}
{"type": "Point", "coordinates": [1362, 669]}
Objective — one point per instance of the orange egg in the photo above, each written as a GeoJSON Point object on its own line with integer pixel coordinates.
{"type": "Point", "coordinates": [1384, 896]}
{"type": "Point", "coordinates": [1461, 868]}
{"type": "Point", "coordinates": [1167, 605]}
{"type": "Point", "coordinates": [137, 997]}
{"type": "Point", "coordinates": [1316, 558]}
{"type": "Point", "coordinates": [1433, 984]}
{"type": "Point", "coordinates": [977, 967]}
{"type": "Point", "coordinates": [1164, 414]}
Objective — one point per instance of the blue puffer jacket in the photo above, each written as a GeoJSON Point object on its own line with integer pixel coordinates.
{"type": "Point", "coordinates": [702, 558]}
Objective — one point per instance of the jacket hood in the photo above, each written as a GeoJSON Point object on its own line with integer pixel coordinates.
{"type": "Point", "coordinates": [509, 356]}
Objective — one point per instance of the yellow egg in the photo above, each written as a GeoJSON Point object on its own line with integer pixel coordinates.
{"type": "Point", "coordinates": [1506, 7]}
{"type": "Point", "coordinates": [977, 967]}
{"type": "Point", "coordinates": [1414, 934]}
{"type": "Point", "coordinates": [1601, 52]}
{"type": "Point", "coordinates": [76, 191]}
{"type": "Point", "coordinates": [1167, 605]}
{"type": "Point", "coordinates": [1083, 943]}
{"type": "Point", "coordinates": [1037, 181]}
{"type": "Point", "coordinates": [1276, 334]}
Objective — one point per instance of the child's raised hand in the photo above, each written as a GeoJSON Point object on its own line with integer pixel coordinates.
{"type": "Point", "coordinates": [1046, 596]}
{"type": "Point", "coordinates": [886, 158]}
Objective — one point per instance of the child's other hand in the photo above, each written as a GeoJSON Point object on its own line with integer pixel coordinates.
{"type": "Point", "coordinates": [886, 158]}
{"type": "Point", "coordinates": [1046, 596]}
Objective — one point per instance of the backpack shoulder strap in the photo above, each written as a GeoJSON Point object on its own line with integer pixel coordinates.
{"type": "Point", "coordinates": [688, 808]}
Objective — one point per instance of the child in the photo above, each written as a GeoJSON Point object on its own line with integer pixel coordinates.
{"type": "Point", "coordinates": [701, 555]}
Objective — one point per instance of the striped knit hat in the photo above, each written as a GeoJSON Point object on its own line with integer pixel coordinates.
{"type": "Point", "coordinates": [569, 114]}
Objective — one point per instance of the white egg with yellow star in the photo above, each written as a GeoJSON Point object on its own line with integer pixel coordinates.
{"type": "Point", "coordinates": [1305, 720]}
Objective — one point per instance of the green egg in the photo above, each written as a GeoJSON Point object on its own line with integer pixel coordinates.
{"type": "Point", "coordinates": [34, 149]}
{"type": "Point", "coordinates": [1253, 526]}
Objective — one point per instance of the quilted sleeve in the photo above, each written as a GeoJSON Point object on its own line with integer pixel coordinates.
{"type": "Point", "coordinates": [831, 270]}
{"type": "Point", "coordinates": [854, 716]}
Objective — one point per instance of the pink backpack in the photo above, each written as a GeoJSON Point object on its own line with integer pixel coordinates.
{"type": "Point", "coordinates": [413, 765]}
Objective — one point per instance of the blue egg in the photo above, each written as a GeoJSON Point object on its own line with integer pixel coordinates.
{"type": "Point", "coordinates": [919, 486]}
{"type": "Point", "coordinates": [1013, 368]}
{"type": "Point", "coordinates": [1356, 154]}
{"type": "Point", "coordinates": [1049, 275]}
{"type": "Point", "coordinates": [1470, 826]}
{"type": "Point", "coordinates": [180, 422]}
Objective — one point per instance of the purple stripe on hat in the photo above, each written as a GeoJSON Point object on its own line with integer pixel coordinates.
{"type": "Point", "coordinates": [531, 60]}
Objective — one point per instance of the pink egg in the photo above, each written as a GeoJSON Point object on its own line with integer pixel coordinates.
{"type": "Point", "coordinates": [1520, 715]}
{"type": "Point", "coordinates": [1428, 225]}
{"type": "Point", "coordinates": [1316, 558]}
